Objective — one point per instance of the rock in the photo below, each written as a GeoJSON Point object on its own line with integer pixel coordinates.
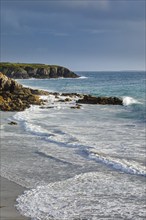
{"type": "Point", "coordinates": [25, 70]}
{"type": "Point", "coordinates": [39, 92]}
{"type": "Point", "coordinates": [87, 99]}
{"type": "Point", "coordinates": [76, 107]}
{"type": "Point", "coordinates": [67, 100]}
{"type": "Point", "coordinates": [15, 97]}
{"type": "Point", "coordinates": [7, 84]}
{"type": "Point", "coordinates": [12, 123]}
{"type": "Point", "coordinates": [71, 94]}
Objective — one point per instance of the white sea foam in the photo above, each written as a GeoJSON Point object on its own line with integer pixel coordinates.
{"type": "Point", "coordinates": [82, 77]}
{"type": "Point", "coordinates": [25, 116]}
{"type": "Point", "coordinates": [54, 143]}
{"type": "Point", "coordinates": [68, 136]}
{"type": "Point", "coordinates": [129, 101]}
{"type": "Point", "coordinates": [131, 167]}
{"type": "Point", "coordinates": [87, 196]}
{"type": "Point", "coordinates": [36, 130]}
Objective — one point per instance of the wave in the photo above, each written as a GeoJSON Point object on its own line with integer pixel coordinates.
{"type": "Point", "coordinates": [130, 167]}
{"type": "Point", "coordinates": [129, 101]}
{"type": "Point", "coordinates": [83, 77]}
{"type": "Point", "coordinates": [36, 130]}
{"type": "Point", "coordinates": [86, 196]}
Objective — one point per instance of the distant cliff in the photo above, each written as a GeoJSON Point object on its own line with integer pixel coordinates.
{"type": "Point", "coordinates": [40, 71]}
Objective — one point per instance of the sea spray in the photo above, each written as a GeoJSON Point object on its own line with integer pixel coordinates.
{"type": "Point", "coordinates": [129, 101]}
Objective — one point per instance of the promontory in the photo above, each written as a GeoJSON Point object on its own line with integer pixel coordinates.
{"type": "Point", "coordinates": [39, 71]}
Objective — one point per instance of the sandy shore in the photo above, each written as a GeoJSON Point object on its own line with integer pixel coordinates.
{"type": "Point", "coordinates": [9, 191]}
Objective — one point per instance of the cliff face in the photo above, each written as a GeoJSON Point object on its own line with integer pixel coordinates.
{"type": "Point", "coordinates": [24, 71]}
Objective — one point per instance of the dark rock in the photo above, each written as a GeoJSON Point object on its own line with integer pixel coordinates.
{"type": "Point", "coordinates": [12, 123]}
{"type": "Point", "coordinates": [87, 99]}
{"type": "Point", "coordinates": [68, 100]}
{"type": "Point", "coordinates": [71, 94]}
{"type": "Point", "coordinates": [31, 71]}
{"type": "Point", "coordinates": [53, 72]}
{"type": "Point", "coordinates": [42, 73]}
{"type": "Point", "coordinates": [76, 107]}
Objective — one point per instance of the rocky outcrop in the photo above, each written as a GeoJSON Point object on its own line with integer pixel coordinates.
{"type": "Point", "coordinates": [40, 71]}
{"type": "Point", "coordinates": [15, 97]}
{"type": "Point", "coordinates": [87, 99]}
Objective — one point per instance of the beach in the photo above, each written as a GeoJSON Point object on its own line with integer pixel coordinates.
{"type": "Point", "coordinates": [9, 190]}
{"type": "Point", "coordinates": [73, 163]}
{"type": "Point", "coordinates": [9, 193]}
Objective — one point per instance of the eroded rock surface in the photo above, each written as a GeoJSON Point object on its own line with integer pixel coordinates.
{"type": "Point", "coordinates": [15, 97]}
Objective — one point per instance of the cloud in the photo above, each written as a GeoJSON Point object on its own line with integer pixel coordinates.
{"type": "Point", "coordinates": [86, 4]}
{"type": "Point", "coordinates": [103, 9]}
{"type": "Point", "coordinates": [79, 28]}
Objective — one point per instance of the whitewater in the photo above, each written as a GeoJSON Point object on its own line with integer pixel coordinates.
{"type": "Point", "coordinates": [80, 164]}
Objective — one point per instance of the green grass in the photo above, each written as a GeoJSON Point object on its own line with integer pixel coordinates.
{"type": "Point", "coordinates": [23, 65]}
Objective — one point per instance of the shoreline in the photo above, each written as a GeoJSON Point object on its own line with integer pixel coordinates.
{"type": "Point", "coordinates": [9, 193]}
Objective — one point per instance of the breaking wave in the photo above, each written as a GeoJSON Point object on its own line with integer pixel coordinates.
{"type": "Point", "coordinates": [83, 77]}
{"type": "Point", "coordinates": [129, 101]}
{"type": "Point", "coordinates": [131, 167]}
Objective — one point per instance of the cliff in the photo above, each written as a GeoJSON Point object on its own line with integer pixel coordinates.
{"type": "Point", "coordinates": [40, 71]}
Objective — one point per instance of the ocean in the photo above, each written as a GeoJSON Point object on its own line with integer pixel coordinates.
{"type": "Point", "coordinates": [80, 164]}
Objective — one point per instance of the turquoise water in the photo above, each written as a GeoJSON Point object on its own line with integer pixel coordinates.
{"type": "Point", "coordinates": [97, 83]}
{"type": "Point", "coordinates": [86, 163]}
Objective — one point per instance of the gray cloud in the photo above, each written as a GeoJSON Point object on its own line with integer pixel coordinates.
{"type": "Point", "coordinates": [107, 28]}
{"type": "Point", "coordinates": [103, 9]}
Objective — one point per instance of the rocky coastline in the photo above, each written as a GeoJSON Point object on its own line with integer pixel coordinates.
{"type": "Point", "coordinates": [39, 71]}
{"type": "Point", "coordinates": [15, 97]}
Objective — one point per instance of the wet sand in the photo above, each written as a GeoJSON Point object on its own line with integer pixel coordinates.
{"type": "Point", "coordinates": [9, 191]}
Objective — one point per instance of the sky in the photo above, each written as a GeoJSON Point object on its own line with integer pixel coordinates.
{"type": "Point", "coordinates": [81, 35]}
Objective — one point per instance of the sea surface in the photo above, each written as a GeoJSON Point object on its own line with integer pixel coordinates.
{"type": "Point", "coordinates": [80, 164]}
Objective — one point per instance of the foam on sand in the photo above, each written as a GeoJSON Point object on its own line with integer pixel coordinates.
{"type": "Point", "coordinates": [86, 196]}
